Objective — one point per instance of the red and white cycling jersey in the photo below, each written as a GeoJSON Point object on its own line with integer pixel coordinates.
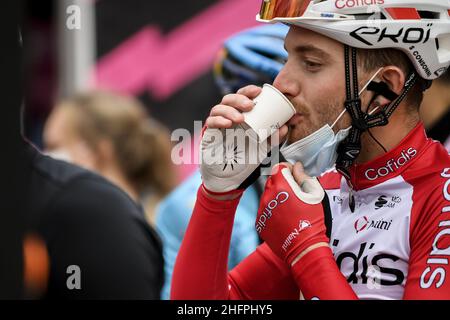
{"type": "Point", "coordinates": [395, 245]}
{"type": "Point", "coordinates": [401, 202]}
{"type": "Point", "coordinates": [447, 144]}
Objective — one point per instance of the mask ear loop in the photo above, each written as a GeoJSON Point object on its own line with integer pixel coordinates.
{"type": "Point", "coordinates": [375, 109]}
{"type": "Point", "coordinates": [338, 118]}
{"type": "Point", "coordinates": [370, 80]}
{"type": "Point", "coordinates": [370, 113]}
{"type": "Point", "coordinates": [361, 91]}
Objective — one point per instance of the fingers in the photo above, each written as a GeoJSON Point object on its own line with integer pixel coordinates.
{"type": "Point", "coordinates": [283, 132]}
{"type": "Point", "coordinates": [307, 184]}
{"type": "Point", "coordinates": [229, 111]}
{"type": "Point", "coordinates": [238, 101]}
{"type": "Point", "coordinates": [223, 116]}
{"type": "Point", "coordinates": [218, 123]}
{"type": "Point", "coordinates": [297, 171]}
{"type": "Point", "coordinates": [278, 137]}
{"type": "Point", "coordinates": [250, 91]}
{"type": "Point", "coordinates": [280, 166]}
{"type": "Point", "coordinates": [307, 189]}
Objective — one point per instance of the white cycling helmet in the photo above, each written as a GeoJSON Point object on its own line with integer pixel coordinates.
{"type": "Point", "coordinates": [420, 28]}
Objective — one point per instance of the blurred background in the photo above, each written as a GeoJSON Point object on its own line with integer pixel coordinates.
{"type": "Point", "coordinates": [158, 51]}
{"type": "Point", "coordinates": [105, 84]}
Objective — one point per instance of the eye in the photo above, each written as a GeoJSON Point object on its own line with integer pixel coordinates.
{"type": "Point", "coordinates": [311, 64]}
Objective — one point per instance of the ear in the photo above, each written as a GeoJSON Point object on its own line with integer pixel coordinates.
{"type": "Point", "coordinates": [395, 78]}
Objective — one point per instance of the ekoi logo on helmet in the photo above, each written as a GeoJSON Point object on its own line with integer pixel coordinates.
{"type": "Point", "coordinates": [408, 35]}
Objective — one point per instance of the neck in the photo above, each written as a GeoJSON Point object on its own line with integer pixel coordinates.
{"type": "Point", "coordinates": [116, 177]}
{"type": "Point", "coordinates": [389, 136]}
{"type": "Point", "coordinates": [435, 104]}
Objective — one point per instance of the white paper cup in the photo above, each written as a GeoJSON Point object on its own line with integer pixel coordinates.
{"type": "Point", "coordinates": [272, 109]}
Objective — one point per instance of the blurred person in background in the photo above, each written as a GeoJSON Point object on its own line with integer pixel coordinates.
{"type": "Point", "coordinates": [86, 237]}
{"type": "Point", "coordinates": [435, 110]}
{"type": "Point", "coordinates": [113, 135]}
{"type": "Point", "coordinates": [254, 56]}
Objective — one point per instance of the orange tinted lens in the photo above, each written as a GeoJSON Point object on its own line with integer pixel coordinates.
{"type": "Point", "coordinates": [271, 9]}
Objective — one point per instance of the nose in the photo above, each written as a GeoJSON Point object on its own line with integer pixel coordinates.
{"type": "Point", "coordinates": [286, 82]}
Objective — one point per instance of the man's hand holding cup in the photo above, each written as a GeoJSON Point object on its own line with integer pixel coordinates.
{"type": "Point", "coordinates": [238, 136]}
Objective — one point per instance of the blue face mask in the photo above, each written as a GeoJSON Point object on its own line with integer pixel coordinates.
{"type": "Point", "coordinates": [317, 152]}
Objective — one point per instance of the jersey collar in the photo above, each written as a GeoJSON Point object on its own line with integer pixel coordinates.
{"type": "Point", "coordinates": [390, 164]}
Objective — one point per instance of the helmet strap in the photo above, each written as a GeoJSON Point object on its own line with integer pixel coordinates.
{"type": "Point", "coordinates": [349, 149]}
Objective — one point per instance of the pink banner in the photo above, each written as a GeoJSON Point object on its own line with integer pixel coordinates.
{"type": "Point", "coordinates": [164, 64]}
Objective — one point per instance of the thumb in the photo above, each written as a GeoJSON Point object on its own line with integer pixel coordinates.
{"type": "Point", "coordinates": [299, 173]}
{"type": "Point", "coordinates": [279, 166]}
{"type": "Point", "coordinates": [306, 188]}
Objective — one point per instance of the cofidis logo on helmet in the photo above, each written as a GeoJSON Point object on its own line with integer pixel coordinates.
{"type": "Point", "coordinates": [391, 165]}
{"type": "Point", "coordinates": [341, 4]}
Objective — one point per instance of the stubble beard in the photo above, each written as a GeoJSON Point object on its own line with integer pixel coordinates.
{"type": "Point", "coordinates": [316, 118]}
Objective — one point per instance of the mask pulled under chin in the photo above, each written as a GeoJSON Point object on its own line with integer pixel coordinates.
{"type": "Point", "coordinates": [317, 152]}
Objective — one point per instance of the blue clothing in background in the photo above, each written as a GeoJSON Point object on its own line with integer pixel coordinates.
{"type": "Point", "coordinates": [173, 215]}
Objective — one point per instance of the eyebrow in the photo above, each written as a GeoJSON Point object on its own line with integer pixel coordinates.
{"type": "Point", "coordinates": [310, 49]}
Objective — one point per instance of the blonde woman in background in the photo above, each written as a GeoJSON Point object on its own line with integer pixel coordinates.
{"type": "Point", "coordinates": [113, 135]}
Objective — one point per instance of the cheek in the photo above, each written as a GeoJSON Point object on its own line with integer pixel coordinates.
{"type": "Point", "coordinates": [322, 97]}
{"type": "Point", "coordinates": [329, 86]}
{"type": "Point", "coordinates": [323, 100]}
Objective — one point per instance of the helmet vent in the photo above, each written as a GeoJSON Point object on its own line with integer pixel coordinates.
{"type": "Point", "coordinates": [428, 14]}
{"type": "Point", "coordinates": [369, 16]}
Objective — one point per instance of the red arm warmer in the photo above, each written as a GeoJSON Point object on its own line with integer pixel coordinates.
{"type": "Point", "coordinates": [318, 276]}
{"type": "Point", "coordinates": [201, 267]}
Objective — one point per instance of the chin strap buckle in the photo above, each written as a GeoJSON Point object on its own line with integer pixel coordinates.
{"type": "Point", "coordinates": [347, 153]}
